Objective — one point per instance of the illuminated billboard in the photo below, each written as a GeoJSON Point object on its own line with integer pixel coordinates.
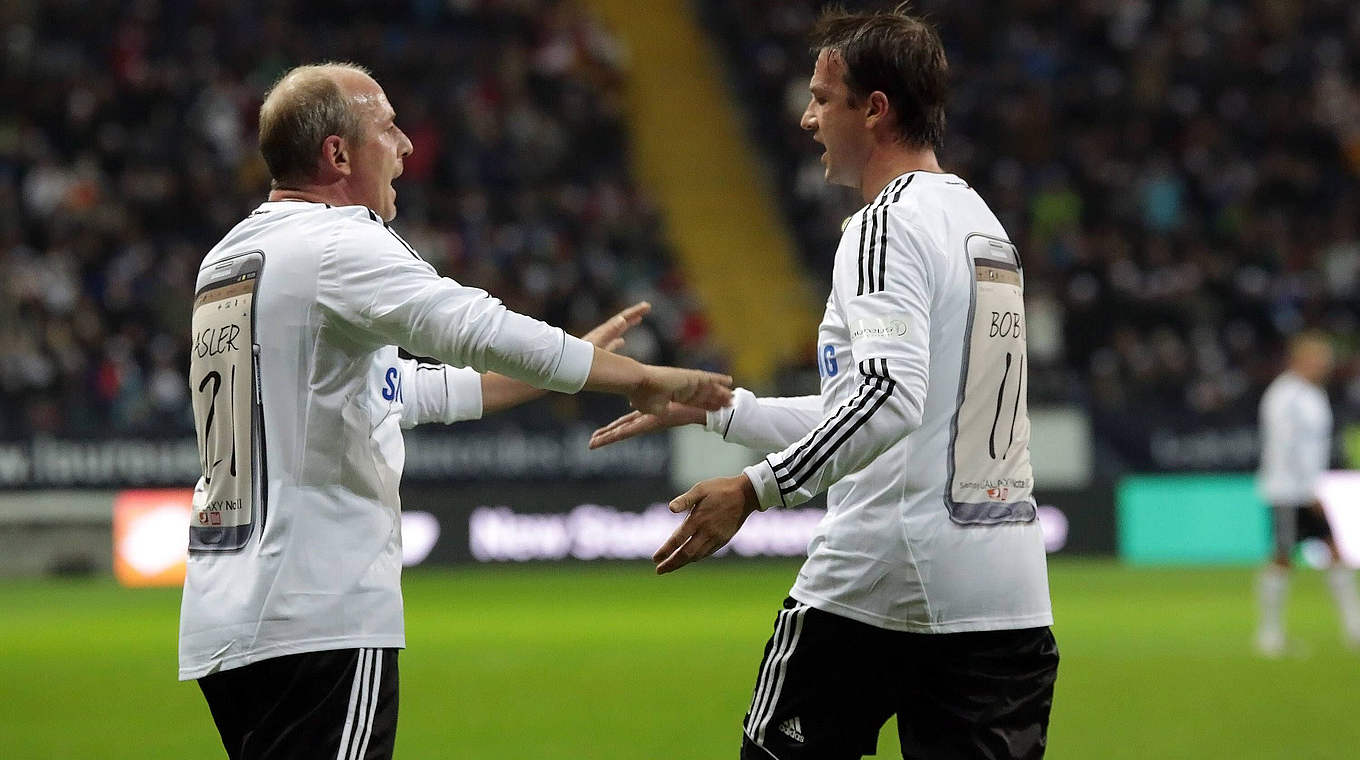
{"type": "Point", "coordinates": [521, 521]}
{"type": "Point", "coordinates": [1219, 518]}
{"type": "Point", "coordinates": [151, 536]}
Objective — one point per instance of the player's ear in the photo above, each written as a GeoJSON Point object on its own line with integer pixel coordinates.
{"type": "Point", "coordinates": [335, 156]}
{"type": "Point", "coordinates": [876, 109]}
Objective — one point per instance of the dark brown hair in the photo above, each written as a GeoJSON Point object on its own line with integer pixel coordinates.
{"type": "Point", "coordinates": [299, 112]}
{"type": "Point", "coordinates": [897, 54]}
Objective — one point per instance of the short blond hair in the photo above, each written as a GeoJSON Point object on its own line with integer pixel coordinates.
{"type": "Point", "coordinates": [304, 107]}
{"type": "Point", "coordinates": [1307, 341]}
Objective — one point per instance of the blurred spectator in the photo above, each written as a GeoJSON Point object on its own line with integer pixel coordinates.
{"type": "Point", "coordinates": [129, 149]}
{"type": "Point", "coordinates": [1181, 176]}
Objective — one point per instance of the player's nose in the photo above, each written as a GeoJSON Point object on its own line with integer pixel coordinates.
{"type": "Point", "coordinates": [808, 122]}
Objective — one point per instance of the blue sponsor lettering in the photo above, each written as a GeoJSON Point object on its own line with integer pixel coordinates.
{"type": "Point", "coordinates": [393, 390]}
{"type": "Point", "coordinates": [827, 366]}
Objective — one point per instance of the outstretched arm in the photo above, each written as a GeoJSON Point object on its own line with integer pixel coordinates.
{"type": "Point", "coordinates": [442, 393]}
{"type": "Point", "coordinates": [763, 424]}
{"type": "Point", "coordinates": [890, 345]}
{"type": "Point", "coordinates": [888, 405]}
{"type": "Point", "coordinates": [382, 293]}
{"type": "Point", "coordinates": [500, 392]}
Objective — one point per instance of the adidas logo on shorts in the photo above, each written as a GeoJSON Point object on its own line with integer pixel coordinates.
{"type": "Point", "coordinates": [792, 728]}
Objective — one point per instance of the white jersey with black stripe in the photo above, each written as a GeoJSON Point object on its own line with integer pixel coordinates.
{"type": "Point", "coordinates": [299, 400]}
{"type": "Point", "coordinates": [1296, 440]}
{"type": "Point", "coordinates": [920, 435]}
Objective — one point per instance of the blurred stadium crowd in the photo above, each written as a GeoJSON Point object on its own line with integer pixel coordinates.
{"type": "Point", "coordinates": [132, 150]}
{"type": "Point", "coordinates": [1181, 178]}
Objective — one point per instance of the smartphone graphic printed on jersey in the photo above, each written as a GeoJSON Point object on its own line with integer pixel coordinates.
{"type": "Point", "coordinates": [223, 383]}
{"type": "Point", "coordinates": [990, 478]}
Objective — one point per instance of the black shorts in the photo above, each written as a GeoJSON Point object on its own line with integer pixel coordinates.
{"type": "Point", "coordinates": [1296, 523]}
{"type": "Point", "coordinates": [340, 704]}
{"type": "Point", "coordinates": [827, 685]}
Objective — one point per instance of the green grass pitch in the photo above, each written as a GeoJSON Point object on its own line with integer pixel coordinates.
{"type": "Point", "coordinates": [611, 662]}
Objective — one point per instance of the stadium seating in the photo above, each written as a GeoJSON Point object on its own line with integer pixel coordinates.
{"type": "Point", "coordinates": [1181, 178]}
{"type": "Point", "coordinates": [135, 152]}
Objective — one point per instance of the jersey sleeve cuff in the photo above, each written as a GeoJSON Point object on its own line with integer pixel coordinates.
{"type": "Point", "coordinates": [718, 420]}
{"type": "Point", "coordinates": [762, 478]}
{"type": "Point", "coordinates": [574, 366]}
{"type": "Point", "coordinates": [465, 395]}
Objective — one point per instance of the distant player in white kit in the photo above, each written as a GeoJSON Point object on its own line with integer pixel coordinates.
{"type": "Point", "coordinates": [1296, 447]}
{"type": "Point", "coordinates": [925, 592]}
{"type": "Point", "coordinates": [292, 612]}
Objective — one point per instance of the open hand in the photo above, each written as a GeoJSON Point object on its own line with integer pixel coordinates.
{"type": "Point", "coordinates": [636, 423]}
{"type": "Point", "coordinates": [609, 333]}
{"type": "Point", "coordinates": [717, 508]}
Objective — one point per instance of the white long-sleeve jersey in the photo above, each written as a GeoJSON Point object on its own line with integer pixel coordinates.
{"type": "Point", "coordinates": [1296, 440]}
{"type": "Point", "coordinates": [299, 399]}
{"type": "Point", "coordinates": [920, 435]}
